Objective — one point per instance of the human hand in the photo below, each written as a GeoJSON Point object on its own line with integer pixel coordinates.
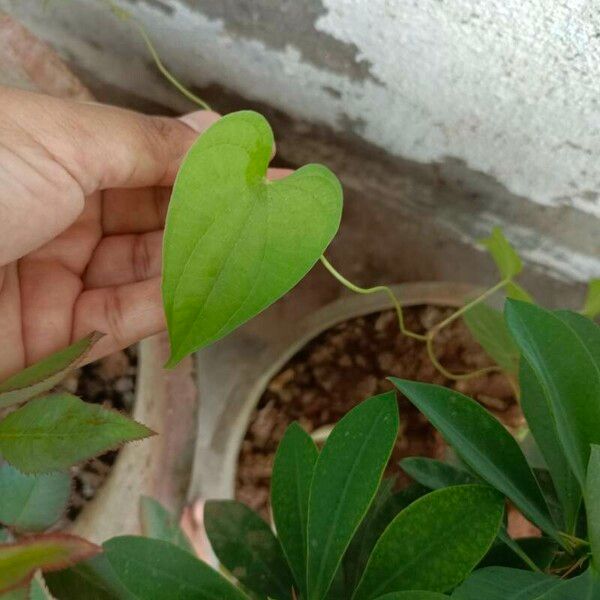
{"type": "Point", "coordinates": [84, 190]}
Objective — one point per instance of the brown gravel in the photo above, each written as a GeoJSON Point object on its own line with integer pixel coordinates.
{"type": "Point", "coordinates": [349, 363]}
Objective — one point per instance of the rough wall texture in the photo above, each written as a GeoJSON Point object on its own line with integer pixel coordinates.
{"type": "Point", "coordinates": [501, 96]}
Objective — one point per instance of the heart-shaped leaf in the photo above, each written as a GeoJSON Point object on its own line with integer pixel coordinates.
{"type": "Point", "coordinates": [32, 502]}
{"type": "Point", "coordinates": [19, 561]}
{"type": "Point", "coordinates": [54, 432]}
{"type": "Point", "coordinates": [45, 374]}
{"type": "Point", "coordinates": [235, 242]}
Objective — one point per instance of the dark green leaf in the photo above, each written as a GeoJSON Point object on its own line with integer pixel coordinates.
{"type": "Point", "coordinates": [32, 502]}
{"type": "Point", "coordinates": [157, 522]}
{"type": "Point", "coordinates": [487, 326]}
{"type": "Point", "coordinates": [483, 444]}
{"type": "Point", "coordinates": [54, 432]}
{"type": "Point", "coordinates": [582, 587]}
{"type": "Point", "coordinates": [539, 550]}
{"type": "Point", "coordinates": [567, 371]}
{"type": "Point", "coordinates": [413, 595]}
{"type": "Point", "coordinates": [235, 242]}
{"type": "Point", "coordinates": [433, 473]}
{"type": "Point", "coordinates": [591, 307]}
{"type": "Point", "coordinates": [290, 486]}
{"type": "Point", "coordinates": [95, 576]}
{"type": "Point", "coordinates": [592, 503]}
{"type": "Point", "coordinates": [501, 583]}
{"type": "Point", "coordinates": [507, 260]}
{"type": "Point", "coordinates": [45, 374]}
{"type": "Point", "coordinates": [538, 412]}
{"type": "Point", "coordinates": [247, 548]}
{"type": "Point", "coordinates": [434, 543]}
{"type": "Point", "coordinates": [157, 570]}
{"type": "Point", "coordinates": [20, 560]}
{"type": "Point", "coordinates": [347, 475]}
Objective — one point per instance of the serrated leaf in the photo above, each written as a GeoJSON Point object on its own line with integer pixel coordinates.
{"type": "Point", "coordinates": [158, 523]}
{"type": "Point", "coordinates": [434, 543]}
{"type": "Point", "coordinates": [32, 502]}
{"type": "Point", "coordinates": [54, 432]}
{"type": "Point", "coordinates": [591, 306]}
{"type": "Point", "coordinates": [567, 368]}
{"type": "Point", "coordinates": [434, 473]}
{"type": "Point", "coordinates": [20, 560]}
{"type": "Point", "coordinates": [346, 478]}
{"type": "Point", "coordinates": [506, 258]}
{"type": "Point", "coordinates": [45, 374]}
{"type": "Point", "coordinates": [293, 469]}
{"type": "Point", "coordinates": [247, 548]}
{"type": "Point", "coordinates": [592, 503]}
{"type": "Point", "coordinates": [235, 242]}
{"type": "Point", "coordinates": [156, 570]}
{"type": "Point", "coordinates": [501, 583]}
{"type": "Point", "coordinates": [487, 326]}
{"type": "Point", "coordinates": [483, 444]}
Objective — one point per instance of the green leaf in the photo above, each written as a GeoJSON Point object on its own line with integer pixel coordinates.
{"type": "Point", "coordinates": [384, 508]}
{"type": "Point", "coordinates": [434, 543]}
{"type": "Point", "coordinates": [592, 503]}
{"type": "Point", "coordinates": [247, 548]}
{"type": "Point", "coordinates": [235, 242]}
{"type": "Point", "coordinates": [346, 478]}
{"type": "Point", "coordinates": [157, 570]}
{"type": "Point", "coordinates": [158, 523]}
{"type": "Point", "coordinates": [413, 595]}
{"type": "Point", "coordinates": [582, 587]}
{"type": "Point", "coordinates": [483, 444]}
{"type": "Point", "coordinates": [54, 432]}
{"type": "Point", "coordinates": [516, 292]}
{"type": "Point", "coordinates": [433, 473]}
{"type": "Point", "coordinates": [487, 326]}
{"type": "Point", "coordinates": [501, 583]}
{"type": "Point", "coordinates": [45, 374]}
{"type": "Point", "coordinates": [510, 553]}
{"type": "Point", "coordinates": [19, 561]}
{"type": "Point", "coordinates": [5, 535]}
{"type": "Point", "coordinates": [567, 369]}
{"type": "Point", "coordinates": [38, 589]}
{"type": "Point", "coordinates": [540, 419]}
{"type": "Point", "coordinates": [507, 260]}
{"type": "Point", "coordinates": [591, 306]}
{"type": "Point", "coordinates": [32, 502]}
{"type": "Point", "coordinates": [95, 576]}
{"type": "Point", "coordinates": [290, 486]}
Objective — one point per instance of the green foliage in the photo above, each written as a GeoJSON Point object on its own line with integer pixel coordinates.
{"type": "Point", "coordinates": [20, 560]}
{"type": "Point", "coordinates": [290, 487]}
{"type": "Point", "coordinates": [592, 502]}
{"type": "Point", "coordinates": [56, 431]}
{"type": "Point", "coordinates": [235, 242]}
{"type": "Point", "coordinates": [158, 523]}
{"type": "Point", "coordinates": [591, 307]}
{"type": "Point", "coordinates": [45, 374]}
{"type": "Point", "coordinates": [413, 595]}
{"type": "Point", "coordinates": [32, 502]}
{"type": "Point", "coordinates": [247, 548]}
{"type": "Point", "coordinates": [345, 481]}
{"type": "Point", "coordinates": [506, 258]}
{"type": "Point", "coordinates": [435, 474]}
{"type": "Point", "coordinates": [435, 542]}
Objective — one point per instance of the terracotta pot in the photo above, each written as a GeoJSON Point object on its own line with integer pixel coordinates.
{"type": "Point", "coordinates": [166, 401]}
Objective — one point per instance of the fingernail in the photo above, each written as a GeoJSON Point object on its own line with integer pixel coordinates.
{"type": "Point", "coordinates": [200, 120]}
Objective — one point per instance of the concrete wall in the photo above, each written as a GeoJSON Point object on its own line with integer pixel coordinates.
{"type": "Point", "coordinates": [482, 112]}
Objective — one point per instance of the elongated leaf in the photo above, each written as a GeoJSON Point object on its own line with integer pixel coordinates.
{"type": "Point", "coordinates": [501, 583]}
{"type": "Point", "coordinates": [520, 553]}
{"type": "Point", "coordinates": [382, 512]}
{"type": "Point", "coordinates": [434, 543]}
{"type": "Point", "coordinates": [57, 431]}
{"type": "Point", "coordinates": [95, 576]}
{"type": "Point", "coordinates": [582, 587]}
{"type": "Point", "coordinates": [567, 371]}
{"type": "Point", "coordinates": [20, 560]}
{"type": "Point", "coordinates": [157, 570]}
{"type": "Point", "coordinates": [592, 503]}
{"type": "Point", "coordinates": [290, 486]}
{"type": "Point", "coordinates": [38, 590]}
{"type": "Point", "coordinates": [45, 374]}
{"type": "Point", "coordinates": [157, 522]}
{"type": "Point", "coordinates": [507, 260]}
{"type": "Point", "coordinates": [516, 292]}
{"type": "Point", "coordinates": [591, 307]}
{"type": "Point", "coordinates": [538, 412]}
{"type": "Point", "coordinates": [247, 548]}
{"type": "Point", "coordinates": [32, 502]}
{"type": "Point", "coordinates": [234, 242]}
{"type": "Point", "coordinates": [413, 595]}
{"type": "Point", "coordinates": [487, 326]}
{"type": "Point", "coordinates": [483, 444]}
{"type": "Point", "coordinates": [433, 473]}
{"type": "Point", "coordinates": [347, 475]}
